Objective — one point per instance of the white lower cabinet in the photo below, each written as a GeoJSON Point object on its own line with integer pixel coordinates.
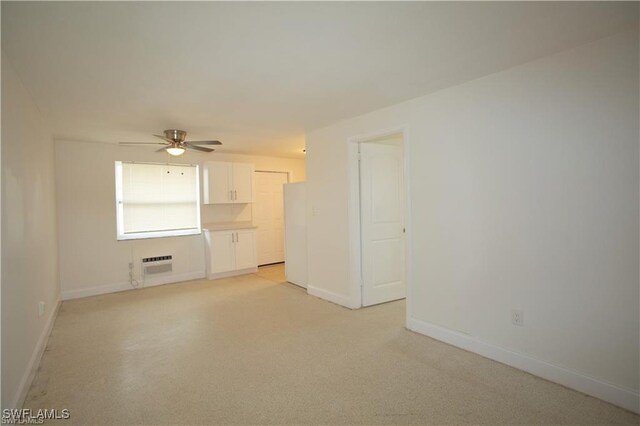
{"type": "Point", "coordinates": [245, 249]}
{"type": "Point", "coordinates": [221, 251]}
{"type": "Point", "coordinates": [231, 252]}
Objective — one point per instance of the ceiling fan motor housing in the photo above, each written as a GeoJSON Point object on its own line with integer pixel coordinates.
{"type": "Point", "coordinates": [175, 135]}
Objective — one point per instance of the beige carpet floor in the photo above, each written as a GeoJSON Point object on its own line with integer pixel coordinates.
{"type": "Point", "coordinates": [273, 273]}
{"type": "Point", "coordinates": [252, 350]}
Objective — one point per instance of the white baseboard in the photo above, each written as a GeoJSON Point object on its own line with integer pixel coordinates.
{"type": "Point", "coordinates": [336, 298]}
{"type": "Point", "coordinates": [122, 286]}
{"type": "Point", "coordinates": [34, 361]}
{"type": "Point", "coordinates": [625, 398]}
{"type": "Point", "coordinates": [232, 273]}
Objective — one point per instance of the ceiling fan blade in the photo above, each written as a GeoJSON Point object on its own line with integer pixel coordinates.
{"type": "Point", "coordinates": [189, 145]}
{"type": "Point", "coordinates": [162, 149]}
{"type": "Point", "coordinates": [141, 143]}
{"type": "Point", "coordinates": [205, 142]}
{"type": "Point", "coordinates": [164, 139]}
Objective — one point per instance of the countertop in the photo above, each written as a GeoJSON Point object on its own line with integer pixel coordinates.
{"type": "Point", "coordinates": [226, 226]}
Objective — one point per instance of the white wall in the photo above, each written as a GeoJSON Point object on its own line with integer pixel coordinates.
{"type": "Point", "coordinates": [524, 195]}
{"type": "Point", "coordinates": [29, 257]}
{"type": "Point", "coordinates": [92, 261]}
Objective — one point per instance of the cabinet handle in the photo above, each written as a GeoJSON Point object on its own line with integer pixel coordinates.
{"type": "Point", "coordinates": [236, 194]}
{"type": "Point", "coordinates": [230, 195]}
{"type": "Point", "coordinates": [237, 237]}
{"type": "Point", "coordinates": [233, 237]}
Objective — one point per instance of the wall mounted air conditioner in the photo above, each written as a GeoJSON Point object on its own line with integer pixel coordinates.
{"type": "Point", "coordinates": [158, 265]}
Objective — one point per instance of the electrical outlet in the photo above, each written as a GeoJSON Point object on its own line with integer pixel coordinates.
{"type": "Point", "coordinates": [130, 265]}
{"type": "Point", "coordinates": [517, 317]}
{"type": "Point", "coordinates": [41, 307]}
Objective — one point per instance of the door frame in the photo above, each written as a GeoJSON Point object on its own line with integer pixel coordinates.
{"type": "Point", "coordinates": [355, 238]}
{"type": "Point", "coordinates": [289, 173]}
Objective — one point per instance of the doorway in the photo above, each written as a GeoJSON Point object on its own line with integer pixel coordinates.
{"type": "Point", "coordinates": [268, 216]}
{"type": "Point", "coordinates": [382, 227]}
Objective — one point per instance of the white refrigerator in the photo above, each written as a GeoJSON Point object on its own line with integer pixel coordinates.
{"type": "Point", "coordinates": [295, 233]}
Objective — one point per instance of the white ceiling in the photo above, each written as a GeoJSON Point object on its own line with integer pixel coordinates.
{"type": "Point", "coordinates": [259, 75]}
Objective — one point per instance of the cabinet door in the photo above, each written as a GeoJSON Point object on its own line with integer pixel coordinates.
{"type": "Point", "coordinates": [246, 249]}
{"type": "Point", "coordinates": [217, 182]}
{"type": "Point", "coordinates": [222, 255]}
{"type": "Point", "coordinates": [243, 182]}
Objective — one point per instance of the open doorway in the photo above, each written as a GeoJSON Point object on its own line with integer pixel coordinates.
{"type": "Point", "coordinates": [268, 216]}
{"type": "Point", "coordinates": [382, 219]}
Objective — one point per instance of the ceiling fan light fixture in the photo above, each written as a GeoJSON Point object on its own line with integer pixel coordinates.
{"type": "Point", "coordinates": [175, 151]}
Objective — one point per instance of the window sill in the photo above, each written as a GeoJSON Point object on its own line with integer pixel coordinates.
{"type": "Point", "coordinates": [158, 234]}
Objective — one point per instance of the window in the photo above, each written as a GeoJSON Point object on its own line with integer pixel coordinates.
{"type": "Point", "coordinates": [156, 200]}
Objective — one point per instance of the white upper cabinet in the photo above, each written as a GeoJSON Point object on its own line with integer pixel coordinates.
{"type": "Point", "coordinates": [217, 182]}
{"type": "Point", "coordinates": [227, 183]}
{"type": "Point", "coordinates": [242, 182]}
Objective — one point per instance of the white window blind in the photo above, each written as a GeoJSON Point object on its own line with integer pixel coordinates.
{"type": "Point", "coordinates": [157, 200]}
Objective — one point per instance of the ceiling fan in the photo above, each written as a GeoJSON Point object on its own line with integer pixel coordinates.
{"type": "Point", "coordinates": [175, 144]}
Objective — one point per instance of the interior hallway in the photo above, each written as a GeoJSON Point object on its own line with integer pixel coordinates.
{"type": "Point", "coordinates": [253, 350]}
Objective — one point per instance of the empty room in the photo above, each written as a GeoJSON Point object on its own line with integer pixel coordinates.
{"type": "Point", "coordinates": [320, 213]}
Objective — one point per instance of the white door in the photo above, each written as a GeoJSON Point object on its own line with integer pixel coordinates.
{"type": "Point", "coordinates": [245, 248]}
{"type": "Point", "coordinates": [382, 223]}
{"type": "Point", "coordinates": [222, 251]}
{"type": "Point", "coordinates": [268, 216]}
{"type": "Point", "coordinates": [217, 182]}
{"type": "Point", "coordinates": [242, 183]}
{"type": "Point", "coordinates": [295, 233]}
